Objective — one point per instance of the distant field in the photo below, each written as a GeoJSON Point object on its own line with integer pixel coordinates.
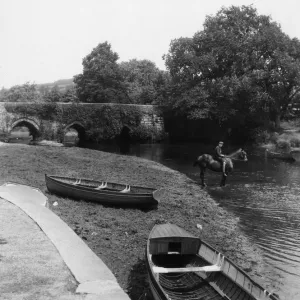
{"type": "Point", "coordinates": [62, 84]}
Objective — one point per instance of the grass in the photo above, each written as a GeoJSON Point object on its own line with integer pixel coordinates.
{"type": "Point", "coordinates": [118, 235]}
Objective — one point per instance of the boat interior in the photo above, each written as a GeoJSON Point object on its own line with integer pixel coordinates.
{"type": "Point", "coordinates": [105, 186]}
{"type": "Point", "coordinates": [189, 284]}
{"type": "Point", "coordinates": [187, 268]}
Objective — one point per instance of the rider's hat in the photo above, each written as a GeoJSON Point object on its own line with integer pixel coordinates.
{"type": "Point", "coordinates": [221, 142]}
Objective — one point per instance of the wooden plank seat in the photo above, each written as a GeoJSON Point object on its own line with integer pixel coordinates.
{"type": "Point", "coordinates": [213, 268]}
{"type": "Point", "coordinates": [78, 181]}
{"type": "Point", "coordinates": [102, 186]}
{"type": "Point", "coordinates": [126, 190]}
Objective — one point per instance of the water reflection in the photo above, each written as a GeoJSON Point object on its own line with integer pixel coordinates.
{"type": "Point", "coordinates": [263, 193]}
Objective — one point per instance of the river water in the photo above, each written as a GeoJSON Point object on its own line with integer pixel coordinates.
{"type": "Point", "coordinates": [262, 193]}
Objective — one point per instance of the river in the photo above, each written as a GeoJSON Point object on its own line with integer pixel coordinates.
{"type": "Point", "coordinates": [262, 193]}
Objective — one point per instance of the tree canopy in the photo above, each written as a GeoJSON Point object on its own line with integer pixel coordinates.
{"type": "Point", "coordinates": [144, 81]}
{"type": "Point", "coordinates": [240, 65]}
{"type": "Point", "coordinates": [101, 80]}
{"type": "Point", "coordinates": [56, 95]}
{"type": "Point", "coordinates": [21, 93]}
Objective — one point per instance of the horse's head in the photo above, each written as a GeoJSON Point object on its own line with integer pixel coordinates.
{"type": "Point", "coordinates": [242, 155]}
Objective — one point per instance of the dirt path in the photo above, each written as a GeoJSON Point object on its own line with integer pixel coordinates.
{"type": "Point", "coordinates": [30, 266]}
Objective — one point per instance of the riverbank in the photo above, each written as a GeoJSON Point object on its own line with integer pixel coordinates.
{"type": "Point", "coordinates": [119, 235]}
{"type": "Point", "coordinates": [284, 140]}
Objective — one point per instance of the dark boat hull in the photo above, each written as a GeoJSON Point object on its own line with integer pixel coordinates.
{"type": "Point", "coordinates": [111, 197]}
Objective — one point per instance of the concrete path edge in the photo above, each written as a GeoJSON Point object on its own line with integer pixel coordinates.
{"type": "Point", "coordinates": [94, 277]}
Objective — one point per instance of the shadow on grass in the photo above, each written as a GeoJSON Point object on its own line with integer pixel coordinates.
{"type": "Point", "coordinates": [138, 286]}
{"type": "Point", "coordinates": [3, 241]}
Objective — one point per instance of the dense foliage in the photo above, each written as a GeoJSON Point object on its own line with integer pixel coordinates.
{"type": "Point", "coordinates": [27, 92]}
{"type": "Point", "coordinates": [101, 80]}
{"type": "Point", "coordinates": [145, 82]}
{"type": "Point", "coordinates": [46, 111]}
{"type": "Point", "coordinates": [30, 92]}
{"type": "Point", "coordinates": [106, 127]}
{"type": "Point", "coordinates": [56, 95]}
{"type": "Point", "coordinates": [104, 80]}
{"type": "Point", "coordinates": [240, 67]}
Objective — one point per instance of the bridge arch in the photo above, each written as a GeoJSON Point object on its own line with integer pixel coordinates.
{"type": "Point", "coordinates": [79, 127]}
{"type": "Point", "coordinates": [32, 126]}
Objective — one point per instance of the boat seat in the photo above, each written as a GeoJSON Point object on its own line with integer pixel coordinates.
{"type": "Point", "coordinates": [78, 181]}
{"type": "Point", "coordinates": [126, 190]}
{"type": "Point", "coordinates": [102, 186]}
{"type": "Point", "coordinates": [213, 268]}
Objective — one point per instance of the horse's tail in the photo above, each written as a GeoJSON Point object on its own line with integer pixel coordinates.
{"type": "Point", "coordinates": [195, 163]}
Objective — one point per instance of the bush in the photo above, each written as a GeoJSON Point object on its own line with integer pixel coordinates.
{"type": "Point", "coordinates": [147, 134]}
{"type": "Point", "coordinates": [261, 136]}
{"type": "Point", "coordinates": [106, 127]}
{"type": "Point", "coordinates": [46, 132]}
{"type": "Point", "coordinates": [288, 140]}
{"type": "Point", "coordinates": [295, 140]}
{"type": "Point", "coordinates": [283, 145]}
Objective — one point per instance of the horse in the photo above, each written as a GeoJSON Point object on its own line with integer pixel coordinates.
{"type": "Point", "coordinates": [207, 161]}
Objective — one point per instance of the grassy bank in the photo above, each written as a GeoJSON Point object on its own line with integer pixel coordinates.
{"type": "Point", "coordinates": [286, 139]}
{"type": "Point", "coordinates": [119, 235]}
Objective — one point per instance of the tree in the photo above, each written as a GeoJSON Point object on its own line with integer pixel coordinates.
{"type": "Point", "coordinates": [56, 95]}
{"type": "Point", "coordinates": [21, 93]}
{"type": "Point", "coordinates": [70, 95]}
{"type": "Point", "coordinates": [240, 66]}
{"type": "Point", "coordinates": [52, 95]}
{"type": "Point", "coordinates": [145, 82]}
{"type": "Point", "coordinates": [101, 80]}
{"type": "Point", "coordinates": [2, 94]}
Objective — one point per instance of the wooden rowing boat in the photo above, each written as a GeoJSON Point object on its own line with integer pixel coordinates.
{"type": "Point", "coordinates": [102, 191]}
{"type": "Point", "coordinates": [279, 155]}
{"type": "Point", "coordinates": [181, 266]}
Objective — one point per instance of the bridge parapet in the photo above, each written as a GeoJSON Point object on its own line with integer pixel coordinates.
{"type": "Point", "coordinates": [51, 124]}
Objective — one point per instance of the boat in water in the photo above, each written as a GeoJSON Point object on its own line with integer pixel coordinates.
{"type": "Point", "coordinates": [280, 155]}
{"type": "Point", "coordinates": [103, 192]}
{"type": "Point", "coordinates": [181, 266]}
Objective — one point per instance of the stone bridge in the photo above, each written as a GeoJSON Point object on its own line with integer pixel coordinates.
{"type": "Point", "coordinates": [151, 117]}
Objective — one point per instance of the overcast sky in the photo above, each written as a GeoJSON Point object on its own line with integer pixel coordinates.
{"type": "Point", "coordinates": [46, 40]}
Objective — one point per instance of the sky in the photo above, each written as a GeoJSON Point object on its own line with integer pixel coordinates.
{"type": "Point", "coordinates": [45, 40]}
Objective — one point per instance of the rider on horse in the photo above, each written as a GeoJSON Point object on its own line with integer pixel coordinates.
{"type": "Point", "coordinates": [220, 157]}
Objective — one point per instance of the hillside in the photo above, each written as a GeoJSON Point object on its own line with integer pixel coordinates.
{"type": "Point", "coordinates": [62, 84]}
